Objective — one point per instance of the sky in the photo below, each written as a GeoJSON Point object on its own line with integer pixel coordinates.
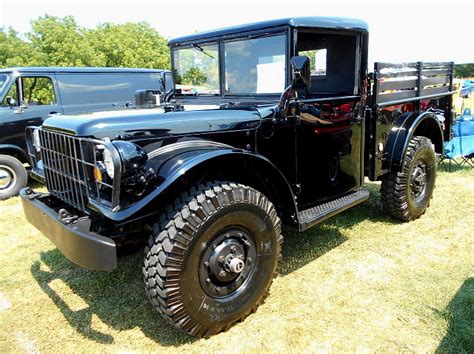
{"type": "Point", "coordinates": [400, 31]}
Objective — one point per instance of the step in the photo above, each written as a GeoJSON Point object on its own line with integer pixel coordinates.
{"type": "Point", "coordinates": [312, 216]}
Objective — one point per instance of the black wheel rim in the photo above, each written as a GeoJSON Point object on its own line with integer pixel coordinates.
{"type": "Point", "coordinates": [418, 181]}
{"type": "Point", "coordinates": [227, 263]}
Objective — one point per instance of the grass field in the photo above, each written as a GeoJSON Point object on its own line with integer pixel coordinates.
{"type": "Point", "coordinates": [358, 282]}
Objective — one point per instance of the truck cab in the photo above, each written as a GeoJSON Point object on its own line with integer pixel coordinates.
{"type": "Point", "coordinates": [271, 123]}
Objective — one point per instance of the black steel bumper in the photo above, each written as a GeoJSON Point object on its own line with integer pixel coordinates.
{"type": "Point", "coordinates": [74, 240]}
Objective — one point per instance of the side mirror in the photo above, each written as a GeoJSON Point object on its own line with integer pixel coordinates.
{"type": "Point", "coordinates": [301, 73]}
{"type": "Point", "coordinates": [148, 98]}
{"type": "Point", "coordinates": [10, 101]}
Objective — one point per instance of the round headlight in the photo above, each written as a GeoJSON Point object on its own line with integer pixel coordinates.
{"type": "Point", "coordinates": [109, 163]}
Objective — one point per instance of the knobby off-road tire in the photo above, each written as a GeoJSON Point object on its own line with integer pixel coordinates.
{"type": "Point", "coordinates": [406, 194]}
{"type": "Point", "coordinates": [211, 260]}
{"type": "Point", "coordinates": [13, 176]}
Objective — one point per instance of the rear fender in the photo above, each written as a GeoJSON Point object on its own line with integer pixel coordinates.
{"type": "Point", "coordinates": [407, 126]}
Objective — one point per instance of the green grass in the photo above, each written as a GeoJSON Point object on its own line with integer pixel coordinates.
{"type": "Point", "coordinates": [360, 281]}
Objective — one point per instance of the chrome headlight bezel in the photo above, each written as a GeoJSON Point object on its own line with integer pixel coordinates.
{"type": "Point", "coordinates": [105, 161]}
{"type": "Point", "coordinates": [35, 139]}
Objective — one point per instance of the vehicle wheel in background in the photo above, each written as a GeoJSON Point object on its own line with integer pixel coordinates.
{"type": "Point", "coordinates": [13, 176]}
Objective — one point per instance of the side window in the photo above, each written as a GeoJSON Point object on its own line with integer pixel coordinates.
{"type": "Point", "coordinates": [38, 91]}
{"type": "Point", "coordinates": [317, 59]}
{"type": "Point", "coordinates": [12, 93]}
{"type": "Point", "coordinates": [333, 60]}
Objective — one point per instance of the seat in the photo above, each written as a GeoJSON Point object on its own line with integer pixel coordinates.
{"type": "Point", "coordinates": [460, 149]}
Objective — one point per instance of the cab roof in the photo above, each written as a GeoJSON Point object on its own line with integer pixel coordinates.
{"type": "Point", "coordinates": [337, 23]}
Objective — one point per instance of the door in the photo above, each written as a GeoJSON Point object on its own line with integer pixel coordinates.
{"type": "Point", "coordinates": [35, 98]}
{"type": "Point", "coordinates": [329, 150]}
{"type": "Point", "coordinates": [330, 131]}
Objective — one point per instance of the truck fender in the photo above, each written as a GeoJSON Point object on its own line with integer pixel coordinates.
{"type": "Point", "coordinates": [184, 159]}
{"type": "Point", "coordinates": [407, 126]}
{"type": "Point", "coordinates": [15, 151]}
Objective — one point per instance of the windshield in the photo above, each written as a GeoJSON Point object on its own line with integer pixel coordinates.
{"type": "Point", "coordinates": [197, 69]}
{"type": "Point", "coordinates": [255, 66]}
{"type": "Point", "coordinates": [3, 81]}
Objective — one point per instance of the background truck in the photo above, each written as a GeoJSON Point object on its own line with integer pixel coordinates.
{"type": "Point", "coordinates": [270, 123]}
{"type": "Point", "coordinates": [31, 94]}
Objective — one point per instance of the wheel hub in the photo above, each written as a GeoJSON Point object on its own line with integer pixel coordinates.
{"type": "Point", "coordinates": [227, 262]}
{"type": "Point", "coordinates": [7, 177]}
{"type": "Point", "coordinates": [236, 265]}
{"type": "Point", "coordinates": [418, 180]}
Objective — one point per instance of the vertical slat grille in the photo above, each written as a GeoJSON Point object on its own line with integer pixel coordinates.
{"type": "Point", "coordinates": [64, 168]}
{"type": "Point", "coordinates": [67, 164]}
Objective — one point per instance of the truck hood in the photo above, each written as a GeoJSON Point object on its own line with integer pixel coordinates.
{"type": "Point", "coordinates": [144, 123]}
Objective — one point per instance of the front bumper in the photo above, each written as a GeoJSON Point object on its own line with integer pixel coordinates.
{"type": "Point", "coordinates": [74, 240]}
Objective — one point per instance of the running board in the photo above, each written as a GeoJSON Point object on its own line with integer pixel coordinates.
{"type": "Point", "coordinates": [312, 216]}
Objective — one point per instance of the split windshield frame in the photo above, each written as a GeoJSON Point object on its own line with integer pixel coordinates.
{"type": "Point", "coordinates": [220, 41]}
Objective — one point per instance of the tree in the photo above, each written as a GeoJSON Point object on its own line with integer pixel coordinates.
{"type": "Point", "coordinates": [464, 70]}
{"type": "Point", "coordinates": [129, 45]}
{"type": "Point", "coordinates": [61, 42]}
{"type": "Point", "coordinates": [14, 51]}
{"type": "Point", "coordinates": [194, 76]}
{"type": "Point", "coordinates": [55, 41]}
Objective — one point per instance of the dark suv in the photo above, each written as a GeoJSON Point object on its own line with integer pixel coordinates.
{"type": "Point", "coordinates": [269, 123]}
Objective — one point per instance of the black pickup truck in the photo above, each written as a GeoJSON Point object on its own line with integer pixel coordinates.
{"type": "Point", "coordinates": [268, 123]}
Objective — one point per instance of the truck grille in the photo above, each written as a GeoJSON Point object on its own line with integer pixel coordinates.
{"type": "Point", "coordinates": [67, 164]}
{"type": "Point", "coordinates": [65, 168]}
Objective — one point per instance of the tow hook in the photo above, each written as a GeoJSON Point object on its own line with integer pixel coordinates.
{"type": "Point", "coordinates": [30, 193]}
{"type": "Point", "coordinates": [65, 217]}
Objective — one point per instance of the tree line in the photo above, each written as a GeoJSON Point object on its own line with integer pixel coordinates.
{"type": "Point", "coordinates": [54, 41]}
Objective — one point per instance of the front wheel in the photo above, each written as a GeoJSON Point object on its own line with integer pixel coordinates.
{"type": "Point", "coordinates": [406, 194]}
{"type": "Point", "coordinates": [212, 259]}
{"type": "Point", "coordinates": [13, 176]}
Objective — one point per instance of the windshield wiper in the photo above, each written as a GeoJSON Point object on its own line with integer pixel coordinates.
{"type": "Point", "coordinates": [198, 48]}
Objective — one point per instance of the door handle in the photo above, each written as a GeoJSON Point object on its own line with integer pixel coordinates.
{"type": "Point", "coordinates": [53, 113]}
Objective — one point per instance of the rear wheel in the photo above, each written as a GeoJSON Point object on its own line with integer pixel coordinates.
{"type": "Point", "coordinates": [406, 194]}
{"type": "Point", "coordinates": [211, 260]}
{"type": "Point", "coordinates": [13, 176]}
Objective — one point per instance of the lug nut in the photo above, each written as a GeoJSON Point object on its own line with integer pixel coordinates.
{"type": "Point", "coordinates": [218, 290]}
{"type": "Point", "coordinates": [222, 274]}
{"type": "Point", "coordinates": [208, 281]}
{"type": "Point", "coordinates": [221, 259]}
{"type": "Point", "coordinates": [233, 249]}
